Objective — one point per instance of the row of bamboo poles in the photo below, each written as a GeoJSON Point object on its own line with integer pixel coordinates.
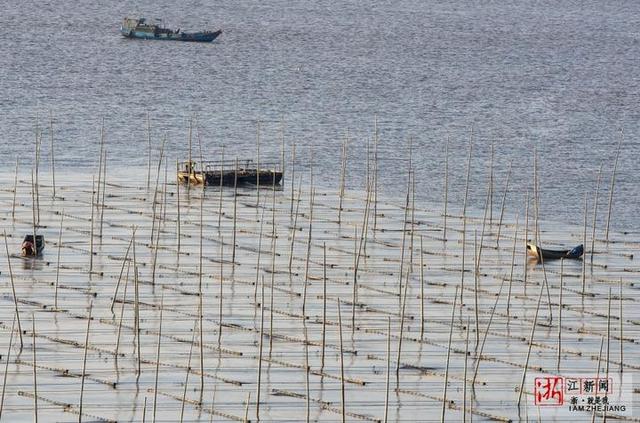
{"type": "Point", "coordinates": [270, 299]}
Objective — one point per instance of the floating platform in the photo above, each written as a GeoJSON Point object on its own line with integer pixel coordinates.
{"type": "Point", "coordinates": [228, 173]}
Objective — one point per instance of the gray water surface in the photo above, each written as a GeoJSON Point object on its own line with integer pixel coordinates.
{"type": "Point", "coordinates": [557, 76]}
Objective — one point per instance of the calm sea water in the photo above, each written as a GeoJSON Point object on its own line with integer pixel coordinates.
{"type": "Point", "coordinates": [560, 77]}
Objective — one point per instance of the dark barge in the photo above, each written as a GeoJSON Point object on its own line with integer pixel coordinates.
{"type": "Point", "coordinates": [229, 173]}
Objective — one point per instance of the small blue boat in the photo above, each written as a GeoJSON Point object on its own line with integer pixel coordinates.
{"type": "Point", "coordinates": [139, 28]}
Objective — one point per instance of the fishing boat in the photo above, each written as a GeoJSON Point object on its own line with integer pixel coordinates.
{"type": "Point", "coordinates": [141, 29]}
{"type": "Point", "coordinates": [543, 254]}
{"type": "Point", "coordinates": [229, 173]}
{"type": "Point", "coordinates": [31, 250]}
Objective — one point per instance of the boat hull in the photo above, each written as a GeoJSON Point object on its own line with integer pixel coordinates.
{"type": "Point", "coordinates": [195, 37]}
{"type": "Point", "coordinates": [228, 178]}
{"type": "Point", "coordinates": [543, 254]}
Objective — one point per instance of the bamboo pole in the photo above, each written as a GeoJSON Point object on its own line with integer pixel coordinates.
{"type": "Point", "coordinates": [464, 376]}
{"type": "Point", "coordinates": [200, 295]}
{"type": "Point", "coordinates": [35, 372]}
{"type": "Point", "coordinates": [137, 322]}
{"type": "Point", "coordinates": [413, 221]}
{"type": "Point", "coordinates": [220, 301]}
{"type": "Point", "coordinates": [162, 217]}
{"type": "Point", "coordinates": [613, 181]}
{"type": "Point", "coordinates": [446, 373]}
{"type": "Point", "coordinates": [410, 167]}
{"type": "Point", "coordinates": [367, 179]}
{"type": "Point", "coordinates": [235, 214]}
{"type": "Point", "coordinates": [84, 362]}
{"type": "Point", "coordinates": [526, 239]}
{"type": "Point", "coordinates": [343, 169]}
{"type": "Point", "coordinates": [273, 254]}
{"type": "Point", "coordinates": [491, 185]}
{"type": "Point", "coordinates": [536, 228]}
{"type": "Point", "coordinates": [464, 218]}
{"type": "Point", "coordinates": [6, 366]}
{"type": "Point", "coordinates": [402, 314]}
{"type": "Point", "coordinates": [446, 188]}
{"type": "Point", "coordinates": [124, 301]}
{"type": "Point", "coordinates": [311, 167]}
{"type": "Point", "coordinates": [155, 384]}
{"type": "Point", "coordinates": [93, 188]}
{"type": "Point", "coordinates": [257, 164]}
{"type": "Point", "coordinates": [476, 282]}
{"type": "Point", "coordinates": [595, 215]}
{"type": "Point", "coordinates": [255, 289]}
{"type": "Point", "coordinates": [386, 396]}
{"type": "Point", "coordinates": [366, 225]}
{"type": "Point", "coordinates": [260, 349]}
{"type": "Point", "coordinates": [421, 290]}
{"type": "Point", "coordinates": [200, 147]}
{"type": "Point", "coordinates": [526, 362]}
{"type": "Point", "coordinates": [274, 238]}
{"type": "Point", "coordinates": [155, 244]}
{"type": "Point", "coordinates": [344, 415]}
{"type": "Point", "coordinates": [365, 228]}
{"type": "Point", "coordinates": [560, 306]}
{"type": "Point", "coordinates": [513, 259]}
{"type": "Point", "coordinates": [220, 192]}
{"type": "Point", "coordinates": [324, 303]}
{"type": "Point", "coordinates": [293, 174]}
{"type": "Point", "coordinates": [310, 234]}
{"type": "Point", "coordinates": [55, 296]}
{"type": "Point", "coordinates": [620, 329]}
{"type": "Point", "coordinates": [96, 204]}
{"type": "Point", "coordinates": [124, 261]}
{"type": "Point", "coordinates": [178, 218]}
{"type": "Point", "coordinates": [213, 401]}
{"type": "Point", "coordinates": [144, 410]}
{"type": "Point", "coordinates": [404, 235]}
{"type": "Point", "coordinates": [375, 175]}
{"type": "Point", "coordinates": [53, 161]}
{"type": "Point", "coordinates": [487, 206]}
{"type": "Point", "coordinates": [504, 199]}
{"type": "Point", "coordinates": [539, 242]}
{"type": "Point", "coordinates": [593, 413]}
{"type": "Point", "coordinates": [282, 148]}
{"type": "Point", "coordinates": [36, 190]}
{"type": "Point", "coordinates": [608, 333]}
{"type": "Point", "coordinates": [307, 369]}
{"type": "Point", "coordinates": [149, 152]}
{"type": "Point", "coordinates": [295, 224]}
{"type": "Point", "coordinates": [484, 338]}
{"type": "Point", "coordinates": [246, 408]}
{"type": "Point", "coordinates": [104, 190]}
{"type": "Point", "coordinates": [165, 192]}
{"type": "Point", "coordinates": [34, 205]}
{"type": "Point", "coordinates": [584, 241]}
{"type": "Point", "coordinates": [186, 378]}
{"type": "Point", "coordinates": [155, 192]}
{"type": "Point", "coordinates": [191, 169]}
{"type": "Point", "coordinates": [13, 289]}
{"type": "Point", "coordinates": [15, 191]}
